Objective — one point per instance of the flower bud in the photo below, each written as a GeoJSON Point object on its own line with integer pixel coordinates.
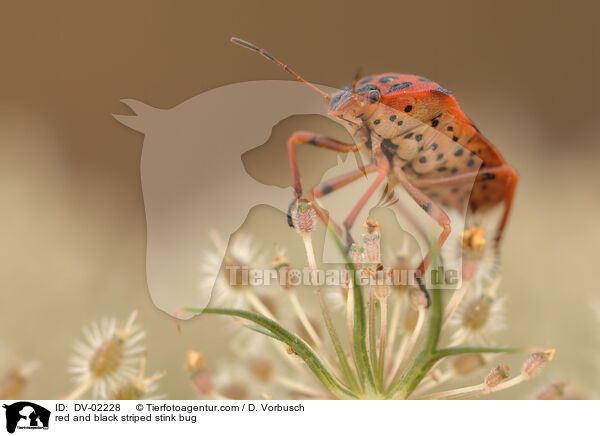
{"type": "Point", "coordinates": [467, 363]}
{"type": "Point", "coordinates": [381, 288]}
{"type": "Point", "coordinates": [496, 376]}
{"type": "Point", "coordinates": [555, 391]}
{"type": "Point", "coordinates": [536, 362]}
{"type": "Point", "coordinates": [472, 240]}
{"type": "Point", "coordinates": [477, 313]}
{"type": "Point", "coordinates": [262, 369]}
{"type": "Point", "coordinates": [304, 217]}
{"type": "Point", "coordinates": [281, 265]}
{"type": "Point", "coordinates": [371, 241]}
{"type": "Point", "coordinates": [13, 384]}
{"type": "Point", "coordinates": [357, 254]}
{"type": "Point", "coordinates": [194, 361]}
{"type": "Point", "coordinates": [203, 383]}
{"type": "Point", "coordinates": [235, 391]}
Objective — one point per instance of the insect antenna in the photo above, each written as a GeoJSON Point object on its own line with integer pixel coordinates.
{"type": "Point", "coordinates": [266, 54]}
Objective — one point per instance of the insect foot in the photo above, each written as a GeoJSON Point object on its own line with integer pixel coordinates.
{"type": "Point", "coordinates": [289, 212]}
{"type": "Point", "coordinates": [423, 290]}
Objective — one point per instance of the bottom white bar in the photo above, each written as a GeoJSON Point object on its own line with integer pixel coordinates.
{"type": "Point", "coordinates": [299, 417]}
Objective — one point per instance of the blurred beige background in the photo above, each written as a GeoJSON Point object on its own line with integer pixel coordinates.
{"type": "Point", "coordinates": [72, 227]}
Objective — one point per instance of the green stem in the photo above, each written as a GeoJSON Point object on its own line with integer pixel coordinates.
{"type": "Point", "coordinates": [337, 344]}
{"type": "Point", "coordinates": [363, 365]}
{"type": "Point", "coordinates": [372, 334]}
{"type": "Point", "coordinates": [290, 339]}
{"type": "Point", "coordinates": [445, 352]}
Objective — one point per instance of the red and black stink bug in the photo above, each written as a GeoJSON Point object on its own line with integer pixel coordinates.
{"type": "Point", "coordinates": [413, 133]}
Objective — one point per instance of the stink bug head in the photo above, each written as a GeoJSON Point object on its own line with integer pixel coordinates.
{"type": "Point", "coordinates": [354, 105]}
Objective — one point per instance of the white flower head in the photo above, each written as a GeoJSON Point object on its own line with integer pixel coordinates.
{"type": "Point", "coordinates": [138, 387]}
{"type": "Point", "coordinates": [109, 356]}
{"type": "Point", "coordinates": [479, 317]}
{"type": "Point", "coordinates": [224, 286]}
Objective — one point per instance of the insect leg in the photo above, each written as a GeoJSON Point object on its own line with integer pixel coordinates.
{"type": "Point", "coordinates": [432, 210]}
{"type": "Point", "coordinates": [329, 186]}
{"type": "Point", "coordinates": [383, 167]}
{"type": "Point", "coordinates": [505, 172]}
{"type": "Point", "coordinates": [318, 141]}
{"type": "Point", "coordinates": [512, 178]}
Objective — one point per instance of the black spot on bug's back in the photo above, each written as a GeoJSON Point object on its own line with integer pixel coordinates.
{"type": "Point", "coordinates": [312, 141]}
{"type": "Point", "coordinates": [442, 169]}
{"type": "Point", "coordinates": [454, 170]}
{"type": "Point", "coordinates": [440, 156]}
{"type": "Point", "coordinates": [386, 79]}
{"type": "Point", "coordinates": [423, 159]}
{"type": "Point", "coordinates": [399, 86]}
{"type": "Point", "coordinates": [408, 108]}
{"type": "Point", "coordinates": [459, 152]}
{"type": "Point", "coordinates": [427, 206]}
{"type": "Point", "coordinates": [365, 80]}
{"type": "Point", "coordinates": [393, 118]}
{"type": "Point", "coordinates": [376, 122]}
{"type": "Point", "coordinates": [471, 162]}
{"type": "Point", "coordinates": [408, 135]}
{"type": "Point", "coordinates": [434, 123]}
{"type": "Point", "coordinates": [369, 144]}
{"type": "Point", "coordinates": [488, 176]}
{"type": "Point", "coordinates": [454, 190]}
{"type": "Point", "coordinates": [419, 137]}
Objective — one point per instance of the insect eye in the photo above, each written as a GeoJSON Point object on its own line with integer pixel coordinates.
{"type": "Point", "coordinates": [373, 96]}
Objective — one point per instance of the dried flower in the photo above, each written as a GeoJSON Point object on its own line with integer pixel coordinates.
{"type": "Point", "coordinates": [496, 376]}
{"type": "Point", "coordinates": [381, 288]}
{"type": "Point", "coordinates": [478, 318]}
{"type": "Point", "coordinates": [281, 264]}
{"type": "Point", "coordinates": [12, 385]}
{"type": "Point", "coordinates": [194, 361]}
{"type": "Point", "coordinates": [371, 242]}
{"type": "Point", "coordinates": [533, 366]}
{"type": "Point", "coordinates": [304, 217]}
{"type": "Point", "coordinates": [467, 363]}
{"type": "Point", "coordinates": [472, 240]}
{"type": "Point", "coordinates": [225, 286]}
{"type": "Point", "coordinates": [357, 254]}
{"type": "Point", "coordinates": [138, 387]}
{"type": "Point", "coordinates": [555, 391]}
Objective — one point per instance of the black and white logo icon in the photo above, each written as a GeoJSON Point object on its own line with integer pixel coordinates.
{"type": "Point", "coordinates": [26, 415]}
